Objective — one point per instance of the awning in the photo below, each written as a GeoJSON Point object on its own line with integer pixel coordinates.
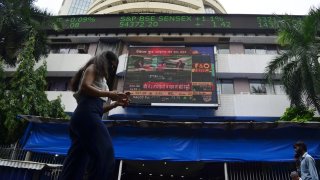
{"type": "Point", "coordinates": [177, 143]}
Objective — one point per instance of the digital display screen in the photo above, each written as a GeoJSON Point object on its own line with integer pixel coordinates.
{"type": "Point", "coordinates": [184, 76]}
{"type": "Point", "coordinates": [149, 22]}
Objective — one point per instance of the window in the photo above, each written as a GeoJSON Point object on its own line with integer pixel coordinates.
{"type": "Point", "coordinates": [272, 49]}
{"type": "Point", "coordinates": [225, 86]}
{"type": "Point", "coordinates": [223, 49]}
{"type": "Point", "coordinates": [68, 48]}
{"type": "Point", "coordinates": [249, 49]}
{"type": "Point", "coordinates": [209, 9]}
{"type": "Point", "coordinates": [260, 49]}
{"type": "Point", "coordinates": [260, 87]}
{"type": "Point", "coordinates": [58, 83]}
{"type": "Point", "coordinates": [279, 88]}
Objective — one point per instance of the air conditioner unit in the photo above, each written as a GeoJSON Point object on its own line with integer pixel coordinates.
{"type": "Point", "coordinates": [82, 49]}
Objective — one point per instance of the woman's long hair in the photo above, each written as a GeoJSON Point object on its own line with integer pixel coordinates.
{"type": "Point", "coordinates": [103, 68]}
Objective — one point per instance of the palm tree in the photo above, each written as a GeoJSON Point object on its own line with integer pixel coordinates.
{"type": "Point", "coordinates": [299, 64]}
{"type": "Point", "coordinates": [17, 19]}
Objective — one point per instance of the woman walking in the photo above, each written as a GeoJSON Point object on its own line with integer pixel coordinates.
{"type": "Point", "coordinates": [91, 150]}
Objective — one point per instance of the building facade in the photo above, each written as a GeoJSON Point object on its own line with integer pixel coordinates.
{"type": "Point", "coordinates": [241, 59]}
{"type": "Point", "coordinates": [73, 7]}
{"type": "Point", "coordinates": [181, 142]}
{"type": "Point", "coordinates": [156, 6]}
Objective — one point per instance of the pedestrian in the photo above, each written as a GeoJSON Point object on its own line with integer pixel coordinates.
{"type": "Point", "coordinates": [308, 168]}
{"type": "Point", "coordinates": [91, 149]}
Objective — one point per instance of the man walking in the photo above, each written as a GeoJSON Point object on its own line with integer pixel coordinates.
{"type": "Point", "coordinates": [307, 164]}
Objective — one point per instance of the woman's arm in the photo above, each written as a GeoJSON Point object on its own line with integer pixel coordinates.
{"type": "Point", "coordinates": [107, 108]}
{"type": "Point", "coordinates": [86, 86]}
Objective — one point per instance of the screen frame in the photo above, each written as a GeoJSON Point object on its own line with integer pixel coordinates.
{"type": "Point", "coordinates": [213, 105]}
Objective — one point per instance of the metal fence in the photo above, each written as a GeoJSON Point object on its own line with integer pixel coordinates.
{"type": "Point", "coordinates": [233, 171]}
{"type": "Point", "coordinates": [14, 152]}
{"type": "Point", "coordinates": [259, 171]}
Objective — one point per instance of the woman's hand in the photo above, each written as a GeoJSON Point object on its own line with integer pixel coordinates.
{"type": "Point", "coordinates": [116, 96]}
{"type": "Point", "coordinates": [123, 102]}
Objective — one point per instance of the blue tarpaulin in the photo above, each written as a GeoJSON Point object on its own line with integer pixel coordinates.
{"type": "Point", "coordinates": [184, 144]}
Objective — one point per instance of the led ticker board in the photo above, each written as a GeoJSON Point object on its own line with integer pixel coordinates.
{"type": "Point", "coordinates": [176, 22]}
{"type": "Point", "coordinates": [171, 76]}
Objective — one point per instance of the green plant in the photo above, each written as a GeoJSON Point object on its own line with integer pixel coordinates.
{"type": "Point", "coordinates": [17, 19]}
{"type": "Point", "coordinates": [298, 114]}
{"type": "Point", "coordinates": [299, 64]}
{"type": "Point", "coordinates": [25, 94]}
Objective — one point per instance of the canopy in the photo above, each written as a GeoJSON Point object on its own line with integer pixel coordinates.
{"type": "Point", "coordinates": [184, 143]}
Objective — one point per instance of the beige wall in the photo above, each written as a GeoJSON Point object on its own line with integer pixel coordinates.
{"type": "Point", "coordinates": [236, 48]}
{"type": "Point", "coordinates": [241, 86]}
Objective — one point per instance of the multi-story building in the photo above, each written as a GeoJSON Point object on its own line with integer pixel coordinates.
{"type": "Point", "coordinates": [234, 121]}
{"type": "Point", "coordinates": [73, 7]}
{"type": "Point", "coordinates": [155, 6]}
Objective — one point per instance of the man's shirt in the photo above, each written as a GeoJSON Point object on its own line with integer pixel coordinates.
{"type": "Point", "coordinates": [308, 168]}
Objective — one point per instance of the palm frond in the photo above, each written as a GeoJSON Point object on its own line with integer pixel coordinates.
{"type": "Point", "coordinates": [276, 64]}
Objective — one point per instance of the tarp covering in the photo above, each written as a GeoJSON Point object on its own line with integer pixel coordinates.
{"type": "Point", "coordinates": [185, 144]}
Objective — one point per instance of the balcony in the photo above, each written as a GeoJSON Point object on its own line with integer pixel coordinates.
{"type": "Point", "coordinates": [248, 105]}
{"type": "Point", "coordinates": [245, 106]}
{"type": "Point", "coordinates": [61, 65]}
{"type": "Point", "coordinates": [242, 65]}
{"type": "Point", "coordinates": [233, 106]}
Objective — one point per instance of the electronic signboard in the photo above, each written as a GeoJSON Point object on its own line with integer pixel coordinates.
{"type": "Point", "coordinates": [177, 22]}
{"type": "Point", "coordinates": [171, 76]}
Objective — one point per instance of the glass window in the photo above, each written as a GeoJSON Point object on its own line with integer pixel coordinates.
{"type": "Point", "coordinates": [209, 10]}
{"type": "Point", "coordinates": [282, 49]}
{"type": "Point", "coordinates": [249, 49]}
{"type": "Point", "coordinates": [261, 49]}
{"type": "Point", "coordinates": [279, 88]}
{"type": "Point", "coordinates": [58, 84]}
{"type": "Point", "coordinates": [260, 87]}
{"type": "Point", "coordinates": [73, 51]}
{"type": "Point", "coordinates": [54, 49]}
{"type": "Point", "coordinates": [272, 49]}
{"type": "Point", "coordinates": [68, 49]}
{"type": "Point", "coordinates": [64, 50]}
{"type": "Point", "coordinates": [227, 86]}
{"type": "Point", "coordinates": [223, 49]}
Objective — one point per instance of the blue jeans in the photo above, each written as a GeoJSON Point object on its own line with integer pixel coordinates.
{"type": "Point", "coordinates": [91, 150]}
